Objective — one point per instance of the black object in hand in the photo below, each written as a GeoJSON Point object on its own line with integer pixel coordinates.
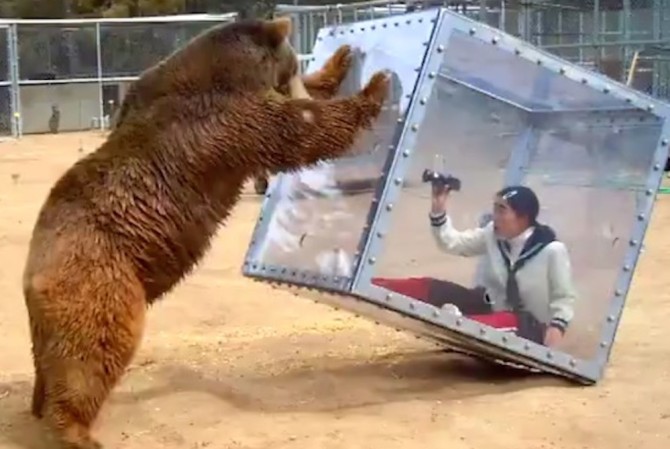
{"type": "Point", "coordinates": [441, 181]}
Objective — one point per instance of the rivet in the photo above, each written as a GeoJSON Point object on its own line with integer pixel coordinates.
{"type": "Point", "coordinates": [472, 31]}
{"type": "Point", "coordinates": [425, 44]}
{"type": "Point", "coordinates": [650, 107]}
{"type": "Point", "coordinates": [423, 101]}
{"type": "Point", "coordinates": [633, 242]}
{"type": "Point", "coordinates": [517, 51]}
{"type": "Point", "coordinates": [505, 338]}
{"type": "Point", "coordinates": [482, 331]}
{"type": "Point", "coordinates": [584, 81]}
{"type": "Point", "coordinates": [397, 181]}
{"type": "Point", "coordinates": [606, 89]}
{"type": "Point", "coordinates": [538, 62]}
{"type": "Point", "coordinates": [412, 306]}
{"type": "Point", "coordinates": [372, 260]}
{"type": "Point", "coordinates": [400, 119]}
{"type": "Point", "coordinates": [610, 319]}
{"type": "Point", "coordinates": [380, 234]}
{"type": "Point", "coordinates": [664, 142]}
{"type": "Point", "coordinates": [436, 313]}
{"type": "Point", "coordinates": [459, 322]}
{"type": "Point", "coordinates": [649, 192]}
{"type": "Point", "coordinates": [526, 346]}
{"type": "Point", "coordinates": [373, 27]}
{"type": "Point", "coordinates": [432, 75]}
{"type": "Point", "coordinates": [405, 153]}
{"type": "Point", "coordinates": [618, 292]}
{"type": "Point", "coordinates": [440, 48]}
{"type": "Point", "coordinates": [629, 100]}
{"type": "Point", "coordinates": [603, 344]}
{"type": "Point", "coordinates": [389, 206]}
{"type": "Point", "coordinates": [561, 70]}
{"type": "Point", "coordinates": [495, 40]}
{"type": "Point", "coordinates": [550, 355]}
{"type": "Point", "coordinates": [384, 25]}
{"type": "Point", "coordinates": [415, 127]}
{"type": "Point", "coordinates": [389, 297]}
{"type": "Point", "coordinates": [640, 217]}
{"type": "Point", "coordinates": [573, 362]}
{"type": "Point", "coordinates": [657, 167]}
{"type": "Point", "coordinates": [396, 24]}
{"type": "Point", "coordinates": [626, 268]}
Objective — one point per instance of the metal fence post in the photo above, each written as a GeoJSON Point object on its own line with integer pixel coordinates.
{"type": "Point", "coordinates": [98, 55]}
{"type": "Point", "coordinates": [14, 77]}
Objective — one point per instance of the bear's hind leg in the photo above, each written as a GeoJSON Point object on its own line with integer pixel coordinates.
{"type": "Point", "coordinates": [86, 358]}
{"type": "Point", "coordinates": [39, 393]}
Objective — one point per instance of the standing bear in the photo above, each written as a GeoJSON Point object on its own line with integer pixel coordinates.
{"type": "Point", "coordinates": [125, 224]}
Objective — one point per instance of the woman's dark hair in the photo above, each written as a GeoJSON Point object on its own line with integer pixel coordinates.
{"type": "Point", "coordinates": [522, 200]}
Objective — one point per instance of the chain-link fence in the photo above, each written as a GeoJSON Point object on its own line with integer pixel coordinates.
{"type": "Point", "coordinates": [626, 39]}
{"type": "Point", "coordinates": [71, 74]}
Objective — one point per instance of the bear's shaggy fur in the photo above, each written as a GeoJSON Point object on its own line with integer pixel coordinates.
{"type": "Point", "coordinates": [126, 223]}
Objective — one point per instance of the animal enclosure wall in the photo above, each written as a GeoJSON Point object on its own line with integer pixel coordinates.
{"type": "Point", "coordinates": [492, 111]}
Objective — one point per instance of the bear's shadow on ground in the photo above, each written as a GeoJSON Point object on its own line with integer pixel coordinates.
{"type": "Point", "coordinates": [429, 376]}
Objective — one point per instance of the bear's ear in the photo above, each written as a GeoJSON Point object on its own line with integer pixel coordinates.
{"type": "Point", "coordinates": [278, 30]}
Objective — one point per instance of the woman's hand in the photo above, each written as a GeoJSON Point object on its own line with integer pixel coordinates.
{"type": "Point", "coordinates": [439, 198]}
{"type": "Point", "coordinates": [553, 336]}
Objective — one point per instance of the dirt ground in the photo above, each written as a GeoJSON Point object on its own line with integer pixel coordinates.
{"type": "Point", "coordinates": [231, 363]}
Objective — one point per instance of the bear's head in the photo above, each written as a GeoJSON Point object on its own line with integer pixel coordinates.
{"type": "Point", "coordinates": [248, 56]}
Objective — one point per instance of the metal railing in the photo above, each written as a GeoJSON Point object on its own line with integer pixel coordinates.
{"type": "Point", "coordinates": [71, 74]}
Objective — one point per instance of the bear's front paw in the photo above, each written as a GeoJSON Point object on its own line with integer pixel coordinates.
{"type": "Point", "coordinates": [338, 65]}
{"type": "Point", "coordinates": [377, 88]}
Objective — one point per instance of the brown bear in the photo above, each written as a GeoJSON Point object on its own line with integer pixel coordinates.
{"type": "Point", "coordinates": [126, 223]}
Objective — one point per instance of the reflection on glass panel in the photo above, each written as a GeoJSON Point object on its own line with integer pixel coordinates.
{"type": "Point", "coordinates": [321, 212]}
{"type": "Point", "coordinates": [541, 258]}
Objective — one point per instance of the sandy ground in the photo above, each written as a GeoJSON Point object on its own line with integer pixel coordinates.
{"type": "Point", "coordinates": [230, 363]}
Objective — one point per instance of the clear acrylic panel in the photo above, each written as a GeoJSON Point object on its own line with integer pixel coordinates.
{"type": "Point", "coordinates": [495, 119]}
{"type": "Point", "coordinates": [515, 80]}
{"type": "Point", "coordinates": [318, 215]}
{"type": "Point", "coordinates": [590, 174]}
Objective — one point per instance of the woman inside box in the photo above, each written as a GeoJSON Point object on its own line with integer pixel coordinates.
{"type": "Point", "coordinates": [525, 269]}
